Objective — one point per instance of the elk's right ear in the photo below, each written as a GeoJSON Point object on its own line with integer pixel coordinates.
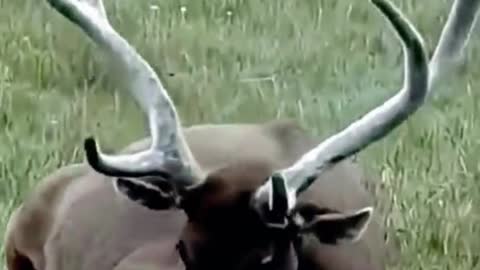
{"type": "Point", "coordinates": [335, 228]}
{"type": "Point", "coordinates": [155, 195]}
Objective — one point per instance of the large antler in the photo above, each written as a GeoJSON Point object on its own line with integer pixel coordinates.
{"type": "Point", "coordinates": [419, 77]}
{"type": "Point", "coordinates": [169, 150]}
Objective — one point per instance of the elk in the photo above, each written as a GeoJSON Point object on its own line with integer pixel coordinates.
{"type": "Point", "coordinates": [182, 201]}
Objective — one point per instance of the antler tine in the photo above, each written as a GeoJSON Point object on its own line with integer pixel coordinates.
{"type": "Point", "coordinates": [168, 147]}
{"type": "Point", "coordinates": [454, 38]}
{"type": "Point", "coordinates": [371, 127]}
{"type": "Point", "coordinates": [419, 79]}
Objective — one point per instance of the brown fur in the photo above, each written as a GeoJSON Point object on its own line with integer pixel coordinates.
{"type": "Point", "coordinates": [222, 227]}
{"type": "Point", "coordinates": [74, 219]}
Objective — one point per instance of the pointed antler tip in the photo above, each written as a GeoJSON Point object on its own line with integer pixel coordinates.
{"type": "Point", "coordinates": [91, 151]}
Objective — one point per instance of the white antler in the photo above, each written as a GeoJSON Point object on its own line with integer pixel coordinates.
{"type": "Point", "coordinates": [419, 76]}
{"type": "Point", "coordinates": [453, 40]}
{"type": "Point", "coordinates": [169, 150]}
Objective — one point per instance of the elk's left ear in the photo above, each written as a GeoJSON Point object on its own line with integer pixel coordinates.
{"type": "Point", "coordinates": [155, 195]}
{"type": "Point", "coordinates": [336, 228]}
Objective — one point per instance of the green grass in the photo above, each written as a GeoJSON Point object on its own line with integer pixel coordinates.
{"type": "Point", "coordinates": [322, 62]}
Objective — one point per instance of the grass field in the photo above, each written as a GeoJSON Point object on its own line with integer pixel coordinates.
{"type": "Point", "coordinates": [322, 62]}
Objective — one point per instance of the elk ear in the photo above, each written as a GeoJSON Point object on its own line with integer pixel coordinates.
{"type": "Point", "coordinates": [336, 228]}
{"type": "Point", "coordinates": [155, 195]}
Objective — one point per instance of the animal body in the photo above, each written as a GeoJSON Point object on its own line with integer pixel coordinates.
{"type": "Point", "coordinates": [74, 219]}
{"type": "Point", "coordinates": [239, 196]}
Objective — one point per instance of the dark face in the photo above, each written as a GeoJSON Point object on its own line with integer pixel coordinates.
{"type": "Point", "coordinates": [226, 231]}
{"type": "Point", "coordinates": [228, 228]}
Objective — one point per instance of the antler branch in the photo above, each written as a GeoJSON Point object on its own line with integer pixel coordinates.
{"type": "Point", "coordinates": [168, 145]}
{"type": "Point", "coordinates": [453, 39]}
{"type": "Point", "coordinates": [381, 120]}
{"type": "Point", "coordinates": [419, 76]}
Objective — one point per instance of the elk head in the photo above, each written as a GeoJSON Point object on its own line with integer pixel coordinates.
{"type": "Point", "coordinates": [246, 214]}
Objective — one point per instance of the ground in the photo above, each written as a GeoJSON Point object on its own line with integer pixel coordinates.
{"type": "Point", "coordinates": [324, 63]}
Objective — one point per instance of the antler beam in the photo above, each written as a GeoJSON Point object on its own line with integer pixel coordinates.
{"type": "Point", "coordinates": [453, 39]}
{"type": "Point", "coordinates": [168, 148]}
{"type": "Point", "coordinates": [381, 120]}
{"type": "Point", "coordinates": [419, 77]}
